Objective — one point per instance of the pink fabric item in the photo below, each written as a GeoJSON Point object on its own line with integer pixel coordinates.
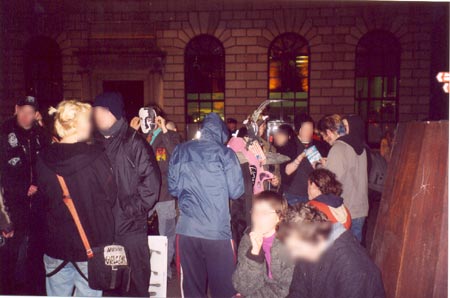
{"type": "Point", "coordinates": [239, 145]}
{"type": "Point", "coordinates": [266, 246]}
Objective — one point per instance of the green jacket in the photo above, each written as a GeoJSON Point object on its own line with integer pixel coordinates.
{"type": "Point", "coordinates": [251, 278]}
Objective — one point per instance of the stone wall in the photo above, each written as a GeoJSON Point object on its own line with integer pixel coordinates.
{"type": "Point", "coordinates": [246, 29]}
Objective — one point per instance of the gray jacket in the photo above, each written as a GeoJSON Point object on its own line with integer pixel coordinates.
{"type": "Point", "coordinates": [251, 279]}
{"type": "Point", "coordinates": [351, 171]}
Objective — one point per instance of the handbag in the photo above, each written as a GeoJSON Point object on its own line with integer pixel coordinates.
{"type": "Point", "coordinates": [108, 267]}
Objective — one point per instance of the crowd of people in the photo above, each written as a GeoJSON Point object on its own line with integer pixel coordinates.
{"type": "Point", "coordinates": [256, 218]}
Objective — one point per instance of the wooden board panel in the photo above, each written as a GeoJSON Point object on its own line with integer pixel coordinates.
{"type": "Point", "coordinates": [410, 230]}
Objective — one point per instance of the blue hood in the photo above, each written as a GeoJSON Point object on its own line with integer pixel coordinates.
{"type": "Point", "coordinates": [214, 129]}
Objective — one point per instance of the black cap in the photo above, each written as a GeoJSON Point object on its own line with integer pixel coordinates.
{"type": "Point", "coordinates": [28, 101]}
{"type": "Point", "coordinates": [113, 101]}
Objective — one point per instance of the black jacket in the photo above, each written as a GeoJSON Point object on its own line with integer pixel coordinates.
{"type": "Point", "coordinates": [297, 182]}
{"type": "Point", "coordinates": [163, 146]}
{"type": "Point", "coordinates": [137, 176]}
{"type": "Point", "coordinates": [344, 271]}
{"type": "Point", "coordinates": [18, 153]}
{"type": "Point", "coordinates": [89, 178]}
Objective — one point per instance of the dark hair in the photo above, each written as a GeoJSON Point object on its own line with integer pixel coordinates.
{"type": "Point", "coordinates": [232, 120]}
{"type": "Point", "coordinates": [287, 130]}
{"type": "Point", "coordinates": [326, 181]}
{"type": "Point", "coordinates": [277, 201]}
{"type": "Point", "coordinates": [242, 132]}
{"type": "Point", "coordinates": [158, 110]}
{"type": "Point", "coordinates": [300, 119]}
{"type": "Point", "coordinates": [306, 222]}
{"type": "Point", "coordinates": [332, 123]}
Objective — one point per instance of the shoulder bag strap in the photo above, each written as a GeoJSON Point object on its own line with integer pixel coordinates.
{"type": "Point", "coordinates": [73, 211]}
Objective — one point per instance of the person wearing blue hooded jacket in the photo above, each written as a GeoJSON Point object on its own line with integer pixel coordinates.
{"type": "Point", "coordinates": [204, 174]}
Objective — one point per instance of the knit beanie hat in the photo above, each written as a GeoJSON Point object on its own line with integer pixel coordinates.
{"type": "Point", "coordinates": [113, 101]}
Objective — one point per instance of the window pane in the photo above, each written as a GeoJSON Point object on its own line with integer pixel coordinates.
{"type": "Point", "coordinates": [390, 87]}
{"type": "Point", "coordinates": [205, 96]}
{"type": "Point", "coordinates": [376, 86]}
{"type": "Point", "coordinates": [204, 76]}
{"type": "Point", "coordinates": [193, 112]}
{"type": "Point", "coordinates": [375, 110]}
{"type": "Point", "coordinates": [218, 96]}
{"type": "Point", "coordinates": [192, 96]}
{"type": "Point", "coordinates": [388, 112]}
{"type": "Point", "coordinates": [376, 82]}
{"type": "Point", "coordinates": [218, 107]}
{"type": "Point", "coordinates": [362, 108]}
{"type": "Point", "coordinates": [275, 95]}
{"type": "Point", "coordinates": [289, 69]}
{"type": "Point", "coordinates": [362, 85]}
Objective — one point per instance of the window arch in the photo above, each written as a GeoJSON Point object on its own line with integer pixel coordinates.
{"type": "Point", "coordinates": [204, 77]}
{"type": "Point", "coordinates": [43, 71]}
{"type": "Point", "coordinates": [288, 64]}
{"type": "Point", "coordinates": [377, 77]}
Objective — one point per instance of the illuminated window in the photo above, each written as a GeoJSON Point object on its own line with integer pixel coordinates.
{"type": "Point", "coordinates": [377, 77]}
{"type": "Point", "coordinates": [289, 75]}
{"type": "Point", "coordinates": [43, 71]}
{"type": "Point", "coordinates": [204, 64]}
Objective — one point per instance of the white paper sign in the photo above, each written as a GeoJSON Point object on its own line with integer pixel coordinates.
{"type": "Point", "coordinates": [115, 255]}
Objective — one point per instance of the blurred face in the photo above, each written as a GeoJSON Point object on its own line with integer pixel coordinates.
{"type": "Point", "coordinates": [264, 218]}
{"type": "Point", "coordinates": [231, 126]}
{"type": "Point", "coordinates": [346, 126]}
{"type": "Point", "coordinates": [304, 250]}
{"type": "Point", "coordinates": [313, 190]}
{"type": "Point", "coordinates": [26, 115]}
{"type": "Point", "coordinates": [84, 127]}
{"type": "Point", "coordinates": [280, 139]}
{"type": "Point", "coordinates": [329, 136]}
{"type": "Point", "coordinates": [103, 118]}
{"type": "Point", "coordinates": [306, 132]}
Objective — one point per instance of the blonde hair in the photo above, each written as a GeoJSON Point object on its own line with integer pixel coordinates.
{"type": "Point", "coordinates": [67, 114]}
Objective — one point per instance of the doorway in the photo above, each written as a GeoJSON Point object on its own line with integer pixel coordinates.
{"type": "Point", "coordinates": [132, 92]}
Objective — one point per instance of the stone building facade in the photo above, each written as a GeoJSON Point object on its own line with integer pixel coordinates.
{"type": "Point", "coordinates": [145, 41]}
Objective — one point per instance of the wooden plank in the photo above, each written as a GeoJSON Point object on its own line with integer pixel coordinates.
{"type": "Point", "coordinates": [410, 230]}
{"type": "Point", "coordinates": [421, 241]}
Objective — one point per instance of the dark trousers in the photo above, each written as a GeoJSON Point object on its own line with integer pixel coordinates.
{"type": "Point", "coordinates": [13, 265]}
{"type": "Point", "coordinates": [21, 267]}
{"type": "Point", "coordinates": [206, 263]}
{"type": "Point", "coordinates": [138, 254]}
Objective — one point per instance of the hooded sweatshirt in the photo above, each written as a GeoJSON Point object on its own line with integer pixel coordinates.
{"type": "Point", "coordinates": [333, 207]}
{"type": "Point", "coordinates": [204, 174]}
{"type": "Point", "coordinates": [355, 137]}
{"type": "Point", "coordinates": [89, 178]}
{"type": "Point", "coordinates": [348, 160]}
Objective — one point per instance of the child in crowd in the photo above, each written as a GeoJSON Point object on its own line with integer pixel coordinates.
{"type": "Point", "coordinates": [264, 269]}
{"type": "Point", "coordinates": [324, 193]}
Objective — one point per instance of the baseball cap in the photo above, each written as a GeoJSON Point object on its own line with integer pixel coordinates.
{"type": "Point", "coordinates": [28, 101]}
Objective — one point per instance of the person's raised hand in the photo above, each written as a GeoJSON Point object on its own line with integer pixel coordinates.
{"type": "Point", "coordinates": [257, 241]}
{"type": "Point", "coordinates": [135, 123]}
{"type": "Point", "coordinates": [32, 190]}
{"type": "Point", "coordinates": [299, 158]}
{"type": "Point", "coordinates": [161, 122]}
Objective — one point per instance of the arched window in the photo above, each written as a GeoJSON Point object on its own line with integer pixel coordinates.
{"type": "Point", "coordinates": [377, 76]}
{"type": "Point", "coordinates": [204, 77]}
{"type": "Point", "coordinates": [43, 71]}
{"type": "Point", "coordinates": [289, 75]}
